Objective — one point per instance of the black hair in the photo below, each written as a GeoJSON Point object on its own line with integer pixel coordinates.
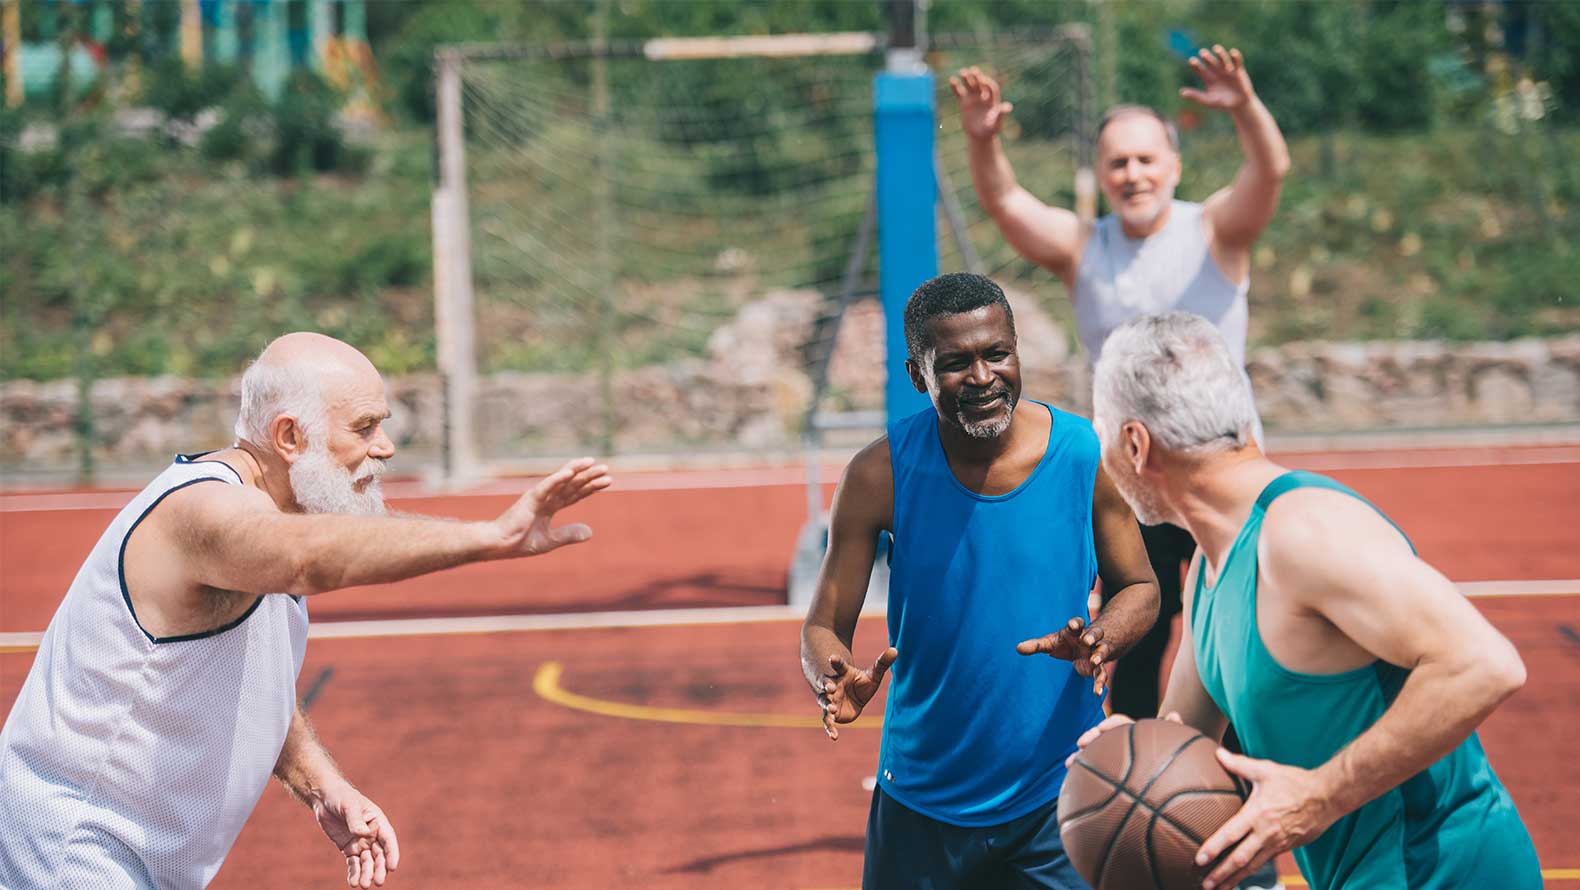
{"type": "Point", "coordinates": [952, 294]}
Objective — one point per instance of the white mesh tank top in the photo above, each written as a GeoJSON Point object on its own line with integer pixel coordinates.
{"type": "Point", "coordinates": [130, 761]}
{"type": "Point", "coordinates": [1119, 278]}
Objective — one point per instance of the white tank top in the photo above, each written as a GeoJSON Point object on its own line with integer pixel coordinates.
{"type": "Point", "coordinates": [130, 761]}
{"type": "Point", "coordinates": [1119, 278]}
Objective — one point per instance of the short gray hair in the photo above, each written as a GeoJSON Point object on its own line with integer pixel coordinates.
{"type": "Point", "coordinates": [1119, 111]}
{"type": "Point", "coordinates": [269, 390]}
{"type": "Point", "coordinates": [1175, 375]}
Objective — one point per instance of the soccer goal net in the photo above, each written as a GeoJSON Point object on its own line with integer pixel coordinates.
{"type": "Point", "coordinates": [668, 246]}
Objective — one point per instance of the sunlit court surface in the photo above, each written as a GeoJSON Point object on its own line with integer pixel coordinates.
{"type": "Point", "coordinates": [630, 713]}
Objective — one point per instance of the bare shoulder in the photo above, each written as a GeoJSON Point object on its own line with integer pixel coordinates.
{"type": "Point", "coordinates": [871, 470]}
{"type": "Point", "coordinates": [1318, 537]}
{"type": "Point", "coordinates": [195, 512]}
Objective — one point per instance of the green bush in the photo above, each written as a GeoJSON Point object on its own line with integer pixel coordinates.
{"type": "Point", "coordinates": [181, 93]}
{"type": "Point", "coordinates": [305, 137]}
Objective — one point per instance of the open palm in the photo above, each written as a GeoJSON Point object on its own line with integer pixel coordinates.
{"type": "Point", "coordinates": [1225, 84]}
{"type": "Point", "coordinates": [846, 690]}
{"type": "Point", "coordinates": [528, 522]}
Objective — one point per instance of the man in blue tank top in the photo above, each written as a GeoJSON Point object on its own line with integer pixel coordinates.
{"type": "Point", "coordinates": [1151, 253]}
{"type": "Point", "coordinates": [1001, 522]}
{"type": "Point", "coordinates": [1354, 672]}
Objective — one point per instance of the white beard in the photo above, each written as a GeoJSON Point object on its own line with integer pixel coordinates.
{"type": "Point", "coordinates": [988, 429]}
{"type": "Point", "coordinates": [322, 486]}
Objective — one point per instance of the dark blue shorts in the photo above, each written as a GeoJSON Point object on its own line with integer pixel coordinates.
{"type": "Point", "coordinates": [909, 851]}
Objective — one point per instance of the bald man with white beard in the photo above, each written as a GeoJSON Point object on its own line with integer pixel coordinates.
{"type": "Point", "coordinates": [163, 695]}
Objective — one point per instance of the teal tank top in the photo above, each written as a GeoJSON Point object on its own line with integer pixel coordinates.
{"type": "Point", "coordinates": [1452, 825]}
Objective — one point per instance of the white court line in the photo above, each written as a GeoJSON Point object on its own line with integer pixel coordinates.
{"type": "Point", "coordinates": [482, 624]}
{"type": "Point", "coordinates": [766, 477]}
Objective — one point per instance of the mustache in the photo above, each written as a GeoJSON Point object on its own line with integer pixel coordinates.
{"type": "Point", "coordinates": [372, 468]}
{"type": "Point", "coordinates": [984, 395]}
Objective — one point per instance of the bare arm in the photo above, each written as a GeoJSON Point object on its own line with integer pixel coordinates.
{"type": "Point", "coordinates": [863, 507]}
{"type": "Point", "coordinates": [1334, 557]}
{"type": "Point", "coordinates": [234, 538]}
{"type": "Point", "coordinates": [1239, 212]}
{"type": "Point", "coordinates": [1185, 695]}
{"type": "Point", "coordinates": [354, 824]}
{"type": "Point", "coordinates": [1401, 610]}
{"type": "Point", "coordinates": [1123, 566]}
{"type": "Point", "coordinates": [1048, 236]}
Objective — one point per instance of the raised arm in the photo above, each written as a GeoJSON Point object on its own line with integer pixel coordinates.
{"type": "Point", "coordinates": [354, 824]}
{"type": "Point", "coordinates": [233, 538]}
{"type": "Point", "coordinates": [1239, 212]}
{"type": "Point", "coordinates": [1333, 556]}
{"type": "Point", "coordinates": [863, 507]}
{"type": "Point", "coordinates": [1048, 236]}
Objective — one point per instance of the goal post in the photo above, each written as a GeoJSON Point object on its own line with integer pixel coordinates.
{"type": "Point", "coordinates": [604, 212]}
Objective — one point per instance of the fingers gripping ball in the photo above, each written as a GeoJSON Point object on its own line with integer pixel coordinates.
{"type": "Point", "coordinates": [1138, 802]}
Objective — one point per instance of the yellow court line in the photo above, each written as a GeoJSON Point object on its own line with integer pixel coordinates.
{"type": "Point", "coordinates": [546, 683]}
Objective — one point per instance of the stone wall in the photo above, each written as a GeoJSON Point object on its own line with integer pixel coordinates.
{"type": "Point", "coordinates": [750, 390]}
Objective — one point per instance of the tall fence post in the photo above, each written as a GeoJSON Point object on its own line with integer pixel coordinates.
{"type": "Point", "coordinates": [452, 279]}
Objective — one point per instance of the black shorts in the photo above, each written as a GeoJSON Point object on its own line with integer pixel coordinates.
{"type": "Point", "coordinates": [909, 851]}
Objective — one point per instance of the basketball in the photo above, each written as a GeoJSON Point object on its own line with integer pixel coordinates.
{"type": "Point", "coordinates": [1138, 803]}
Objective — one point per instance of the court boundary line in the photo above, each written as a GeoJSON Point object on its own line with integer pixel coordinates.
{"type": "Point", "coordinates": [13, 641]}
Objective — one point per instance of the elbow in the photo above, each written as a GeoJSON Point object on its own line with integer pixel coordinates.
{"type": "Point", "coordinates": [1510, 674]}
{"type": "Point", "coordinates": [1281, 164]}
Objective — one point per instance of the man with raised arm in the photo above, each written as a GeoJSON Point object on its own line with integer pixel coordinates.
{"type": "Point", "coordinates": [163, 694]}
{"type": "Point", "coordinates": [1152, 254]}
{"type": "Point", "coordinates": [1354, 673]}
{"type": "Point", "coordinates": [1001, 522]}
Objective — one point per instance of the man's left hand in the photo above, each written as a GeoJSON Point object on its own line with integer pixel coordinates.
{"type": "Point", "coordinates": [362, 833]}
{"type": "Point", "coordinates": [1078, 644]}
{"type": "Point", "coordinates": [1287, 809]}
{"type": "Point", "coordinates": [1225, 85]}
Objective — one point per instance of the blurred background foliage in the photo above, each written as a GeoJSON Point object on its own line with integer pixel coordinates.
{"type": "Point", "coordinates": [1435, 144]}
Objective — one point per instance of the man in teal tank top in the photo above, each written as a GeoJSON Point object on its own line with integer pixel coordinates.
{"type": "Point", "coordinates": [1354, 673]}
{"type": "Point", "coordinates": [1001, 521]}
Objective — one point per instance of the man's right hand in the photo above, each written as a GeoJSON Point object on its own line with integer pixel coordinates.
{"type": "Point", "coordinates": [846, 690]}
{"type": "Point", "coordinates": [982, 109]}
{"type": "Point", "coordinates": [525, 527]}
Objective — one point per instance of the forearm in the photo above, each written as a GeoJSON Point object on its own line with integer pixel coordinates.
{"type": "Point", "coordinates": [1266, 155]}
{"type": "Point", "coordinates": [991, 174]}
{"type": "Point", "coordinates": [1128, 615]}
{"type": "Point", "coordinates": [331, 552]}
{"type": "Point", "coordinates": [1435, 711]}
{"type": "Point", "coordinates": [304, 767]}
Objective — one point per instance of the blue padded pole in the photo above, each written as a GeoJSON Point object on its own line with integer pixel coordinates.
{"type": "Point", "coordinates": [903, 124]}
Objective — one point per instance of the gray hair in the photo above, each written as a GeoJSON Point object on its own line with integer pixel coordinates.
{"type": "Point", "coordinates": [1119, 111]}
{"type": "Point", "coordinates": [1174, 374]}
{"type": "Point", "coordinates": [269, 390]}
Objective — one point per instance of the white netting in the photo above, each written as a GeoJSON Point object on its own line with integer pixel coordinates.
{"type": "Point", "coordinates": [664, 244]}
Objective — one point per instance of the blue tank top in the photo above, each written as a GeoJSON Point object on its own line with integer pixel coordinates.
{"type": "Point", "coordinates": [976, 734]}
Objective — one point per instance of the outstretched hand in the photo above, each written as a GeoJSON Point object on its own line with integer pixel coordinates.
{"type": "Point", "coordinates": [846, 690]}
{"type": "Point", "coordinates": [362, 833]}
{"type": "Point", "coordinates": [1225, 84]}
{"type": "Point", "coordinates": [1087, 650]}
{"type": "Point", "coordinates": [982, 109]}
{"type": "Point", "coordinates": [525, 526]}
